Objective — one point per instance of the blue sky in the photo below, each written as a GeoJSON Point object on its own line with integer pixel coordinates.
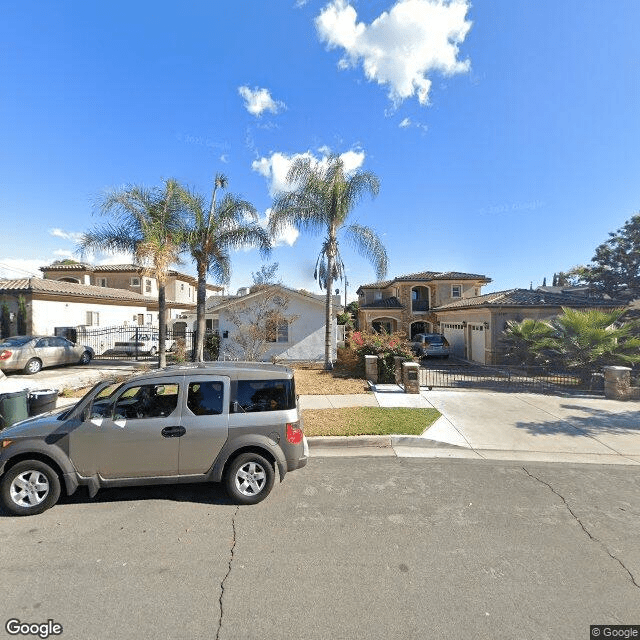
{"type": "Point", "coordinates": [505, 134]}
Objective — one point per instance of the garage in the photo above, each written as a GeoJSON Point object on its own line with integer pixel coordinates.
{"type": "Point", "coordinates": [454, 333]}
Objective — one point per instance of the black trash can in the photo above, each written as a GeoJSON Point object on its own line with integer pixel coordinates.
{"type": "Point", "coordinates": [42, 400]}
{"type": "Point", "coordinates": [13, 408]}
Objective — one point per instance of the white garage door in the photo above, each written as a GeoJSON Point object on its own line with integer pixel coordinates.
{"type": "Point", "coordinates": [454, 333]}
{"type": "Point", "coordinates": [477, 343]}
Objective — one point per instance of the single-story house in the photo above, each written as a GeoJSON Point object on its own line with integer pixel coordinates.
{"type": "Point", "coordinates": [473, 326]}
{"type": "Point", "coordinates": [406, 303]}
{"type": "Point", "coordinates": [299, 339]}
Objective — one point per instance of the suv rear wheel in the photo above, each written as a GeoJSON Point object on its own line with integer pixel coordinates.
{"type": "Point", "coordinates": [29, 487]}
{"type": "Point", "coordinates": [249, 478]}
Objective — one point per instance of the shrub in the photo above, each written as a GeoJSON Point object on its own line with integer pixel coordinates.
{"type": "Point", "coordinates": [384, 345]}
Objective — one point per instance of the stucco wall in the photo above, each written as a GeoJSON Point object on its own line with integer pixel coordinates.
{"type": "Point", "coordinates": [306, 333]}
{"type": "Point", "coordinates": [46, 315]}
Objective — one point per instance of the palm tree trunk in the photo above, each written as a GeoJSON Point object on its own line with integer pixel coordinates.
{"type": "Point", "coordinates": [328, 363]}
{"type": "Point", "coordinates": [198, 355]}
{"type": "Point", "coordinates": [162, 324]}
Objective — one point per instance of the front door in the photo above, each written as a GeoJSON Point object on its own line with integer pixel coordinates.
{"type": "Point", "coordinates": [206, 422]}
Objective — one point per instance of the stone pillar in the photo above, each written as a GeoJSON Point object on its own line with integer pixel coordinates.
{"type": "Point", "coordinates": [410, 377]}
{"type": "Point", "coordinates": [371, 368]}
{"type": "Point", "coordinates": [397, 368]}
{"type": "Point", "coordinates": [617, 383]}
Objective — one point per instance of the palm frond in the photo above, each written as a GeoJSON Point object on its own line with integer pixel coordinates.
{"type": "Point", "coordinates": [369, 246]}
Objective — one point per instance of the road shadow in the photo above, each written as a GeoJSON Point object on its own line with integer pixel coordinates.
{"type": "Point", "coordinates": [590, 421]}
{"type": "Point", "coordinates": [200, 493]}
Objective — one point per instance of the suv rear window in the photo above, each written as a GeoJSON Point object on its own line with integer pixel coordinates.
{"type": "Point", "coordinates": [266, 395]}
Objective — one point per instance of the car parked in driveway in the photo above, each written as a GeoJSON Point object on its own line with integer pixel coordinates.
{"type": "Point", "coordinates": [143, 342]}
{"type": "Point", "coordinates": [225, 421]}
{"type": "Point", "coordinates": [434, 345]}
{"type": "Point", "coordinates": [32, 353]}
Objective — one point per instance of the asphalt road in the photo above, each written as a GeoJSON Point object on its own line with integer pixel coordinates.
{"type": "Point", "coordinates": [345, 548]}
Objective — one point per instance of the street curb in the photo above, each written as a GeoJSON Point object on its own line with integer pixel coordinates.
{"type": "Point", "coordinates": [382, 442]}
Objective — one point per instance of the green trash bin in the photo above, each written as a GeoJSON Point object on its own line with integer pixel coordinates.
{"type": "Point", "coordinates": [13, 408]}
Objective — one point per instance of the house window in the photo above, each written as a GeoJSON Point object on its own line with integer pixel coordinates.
{"type": "Point", "coordinates": [102, 282]}
{"type": "Point", "coordinates": [456, 291]}
{"type": "Point", "coordinates": [93, 319]}
{"type": "Point", "coordinates": [140, 319]}
{"type": "Point", "coordinates": [149, 318]}
{"type": "Point", "coordinates": [279, 333]}
{"type": "Point", "coordinates": [377, 296]}
{"type": "Point", "coordinates": [135, 282]}
{"type": "Point", "coordinates": [381, 326]}
{"type": "Point", "coordinates": [147, 286]}
{"type": "Point", "coordinates": [182, 286]}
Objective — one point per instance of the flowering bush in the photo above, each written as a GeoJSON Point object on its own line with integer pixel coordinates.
{"type": "Point", "coordinates": [383, 345]}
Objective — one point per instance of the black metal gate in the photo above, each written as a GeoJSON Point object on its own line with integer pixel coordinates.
{"type": "Point", "coordinates": [458, 374]}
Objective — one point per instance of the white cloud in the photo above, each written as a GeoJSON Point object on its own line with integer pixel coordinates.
{"type": "Point", "coordinates": [73, 236]}
{"type": "Point", "coordinates": [402, 47]}
{"type": "Point", "coordinates": [258, 100]}
{"type": "Point", "coordinates": [276, 167]}
{"type": "Point", "coordinates": [407, 123]}
{"type": "Point", "coordinates": [287, 236]}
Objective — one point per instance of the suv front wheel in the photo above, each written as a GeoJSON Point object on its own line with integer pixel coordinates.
{"type": "Point", "coordinates": [249, 478]}
{"type": "Point", "coordinates": [29, 487]}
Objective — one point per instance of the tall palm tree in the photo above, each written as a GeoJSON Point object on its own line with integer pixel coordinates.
{"type": "Point", "coordinates": [147, 223]}
{"type": "Point", "coordinates": [322, 199]}
{"type": "Point", "coordinates": [212, 231]}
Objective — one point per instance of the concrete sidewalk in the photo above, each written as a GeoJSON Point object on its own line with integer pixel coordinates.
{"type": "Point", "coordinates": [498, 426]}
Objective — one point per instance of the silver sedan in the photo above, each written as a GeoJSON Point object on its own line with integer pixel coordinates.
{"type": "Point", "coordinates": [32, 353]}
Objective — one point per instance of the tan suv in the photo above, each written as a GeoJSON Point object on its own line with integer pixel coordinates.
{"type": "Point", "coordinates": [227, 422]}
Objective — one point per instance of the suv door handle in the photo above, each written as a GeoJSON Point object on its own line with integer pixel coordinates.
{"type": "Point", "coordinates": [173, 432]}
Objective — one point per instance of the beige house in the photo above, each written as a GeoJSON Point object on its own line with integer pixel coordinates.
{"type": "Point", "coordinates": [181, 288]}
{"type": "Point", "coordinates": [407, 303]}
{"type": "Point", "coordinates": [474, 325]}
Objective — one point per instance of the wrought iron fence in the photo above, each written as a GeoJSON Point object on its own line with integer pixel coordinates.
{"type": "Point", "coordinates": [510, 378]}
{"type": "Point", "coordinates": [138, 342]}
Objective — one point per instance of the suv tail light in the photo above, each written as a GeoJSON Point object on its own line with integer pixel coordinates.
{"type": "Point", "coordinates": [294, 432]}
{"type": "Point", "coordinates": [5, 355]}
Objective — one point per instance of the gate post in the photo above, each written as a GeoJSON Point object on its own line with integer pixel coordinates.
{"type": "Point", "coordinates": [371, 368]}
{"type": "Point", "coordinates": [617, 383]}
{"type": "Point", "coordinates": [410, 377]}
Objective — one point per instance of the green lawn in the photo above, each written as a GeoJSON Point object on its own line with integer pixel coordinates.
{"type": "Point", "coordinates": [368, 421]}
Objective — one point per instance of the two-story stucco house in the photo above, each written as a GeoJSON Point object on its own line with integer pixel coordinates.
{"type": "Point", "coordinates": [406, 303]}
{"type": "Point", "coordinates": [180, 288]}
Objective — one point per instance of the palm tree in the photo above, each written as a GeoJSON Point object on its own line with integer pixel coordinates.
{"type": "Point", "coordinates": [594, 338]}
{"type": "Point", "coordinates": [523, 340]}
{"type": "Point", "coordinates": [322, 199]}
{"type": "Point", "coordinates": [148, 225]}
{"type": "Point", "coordinates": [212, 232]}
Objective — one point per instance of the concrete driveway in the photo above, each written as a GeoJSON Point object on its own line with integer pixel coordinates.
{"type": "Point", "coordinates": [532, 426]}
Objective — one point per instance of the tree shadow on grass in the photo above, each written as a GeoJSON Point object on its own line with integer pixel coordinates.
{"type": "Point", "coordinates": [589, 421]}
